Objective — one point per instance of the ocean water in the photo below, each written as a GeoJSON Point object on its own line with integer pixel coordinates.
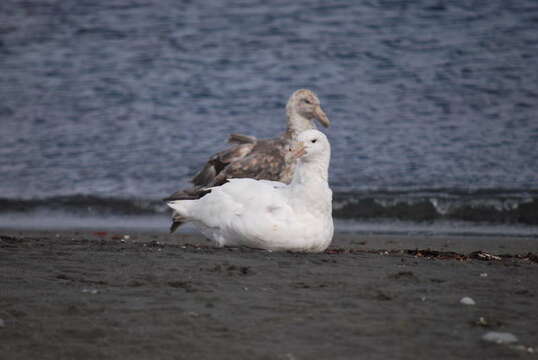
{"type": "Point", "coordinates": [108, 106]}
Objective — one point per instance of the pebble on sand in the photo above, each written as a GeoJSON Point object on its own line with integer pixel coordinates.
{"type": "Point", "coordinates": [91, 291]}
{"type": "Point", "coordinates": [499, 337]}
{"type": "Point", "coordinates": [467, 301]}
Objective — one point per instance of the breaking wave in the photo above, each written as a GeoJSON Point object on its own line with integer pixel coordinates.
{"type": "Point", "coordinates": [480, 206]}
{"type": "Point", "coordinates": [489, 206]}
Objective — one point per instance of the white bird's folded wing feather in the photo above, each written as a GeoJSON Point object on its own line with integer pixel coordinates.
{"type": "Point", "coordinates": [235, 207]}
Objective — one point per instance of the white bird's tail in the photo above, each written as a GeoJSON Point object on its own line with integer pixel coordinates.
{"type": "Point", "coordinates": [181, 212]}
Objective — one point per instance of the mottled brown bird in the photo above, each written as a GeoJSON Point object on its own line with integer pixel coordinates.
{"type": "Point", "coordinates": [254, 158]}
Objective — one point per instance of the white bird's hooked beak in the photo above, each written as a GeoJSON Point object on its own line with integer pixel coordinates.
{"type": "Point", "coordinates": [298, 150]}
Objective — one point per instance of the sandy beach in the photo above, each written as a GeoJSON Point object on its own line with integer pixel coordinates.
{"type": "Point", "coordinates": [96, 295]}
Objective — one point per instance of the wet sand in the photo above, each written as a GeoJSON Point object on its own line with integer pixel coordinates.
{"type": "Point", "coordinates": [87, 295]}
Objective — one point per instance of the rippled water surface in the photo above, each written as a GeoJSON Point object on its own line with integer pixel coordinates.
{"type": "Point", "coordinates": [127, 98]}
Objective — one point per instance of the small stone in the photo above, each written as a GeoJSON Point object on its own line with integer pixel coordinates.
{"type": "Point", "coordinates": [467, 301]}
{"type": "Point", "coordinates": [524, 348]}
{"type": "Point", "coordinates": [499, 337]}
{"type": "Point", "coordinates": [483, 275]}
{"type": "Point", "coordinates": [126, 237]}
{"type": "Point", "coordinates": [90, 291]}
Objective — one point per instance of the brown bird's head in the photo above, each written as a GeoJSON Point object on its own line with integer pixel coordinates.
{"type": "Point", "coordinates": [303, 108]}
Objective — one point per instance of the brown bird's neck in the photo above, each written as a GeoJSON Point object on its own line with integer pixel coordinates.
{"type": "Point", "coordinates": [298, 124]}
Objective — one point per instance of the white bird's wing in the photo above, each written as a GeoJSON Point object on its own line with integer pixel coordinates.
{"type": "Point", "coordinates": [245, 208]}
{"type": "Point", "coordinates": [250, 194]}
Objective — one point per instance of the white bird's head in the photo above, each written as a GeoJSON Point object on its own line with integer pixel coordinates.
{"type": "Point", "coordinates": [303, 108]}
{"type": "Point", "coordinates": [311, 145]}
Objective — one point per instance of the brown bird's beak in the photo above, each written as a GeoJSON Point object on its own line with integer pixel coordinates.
{"type": "Point", "coordinates": [298, 150]}
{"type": "Point", "coordinates": [321, 116]}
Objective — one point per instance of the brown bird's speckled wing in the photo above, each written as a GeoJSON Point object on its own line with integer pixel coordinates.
{"type": "Point", "coordinates": [265, 161]}
{"type": "Point", "coordinates": [220, 161]}
{"type": "Point", "coordinates": [242, 139]}
{"type": "Point", "coordinates": [257, 159]}
{"type": "Point", "coordinates": [206, 177]}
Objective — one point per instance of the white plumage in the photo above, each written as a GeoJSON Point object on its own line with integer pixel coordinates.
{"type": "Point", "coordinates": [268, 214]}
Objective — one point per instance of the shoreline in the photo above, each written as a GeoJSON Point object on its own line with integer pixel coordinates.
{"type": "Point", "coordinates": [100, 294]}
{"type": "Point", "coordinates": [504, 244]}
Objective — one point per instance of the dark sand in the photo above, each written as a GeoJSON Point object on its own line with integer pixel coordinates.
{"type": "Point", "coordinates": [80, 295]}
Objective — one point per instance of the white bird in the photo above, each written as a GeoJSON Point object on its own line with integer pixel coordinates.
{"type": "Point", "coordinates": [267, 214]}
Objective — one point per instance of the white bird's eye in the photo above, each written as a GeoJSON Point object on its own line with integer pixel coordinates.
{"type": "Point", "coordinates": [313, 141]}
{"type": "Point", "coordinates": [307, 101]}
